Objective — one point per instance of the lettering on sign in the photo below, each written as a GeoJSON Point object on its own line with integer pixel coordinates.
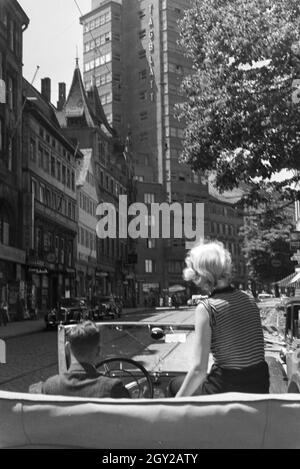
{"type": "Point", "coordinates": [151, 50]}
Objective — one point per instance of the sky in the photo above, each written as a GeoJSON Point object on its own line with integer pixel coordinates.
{"type": "Point", "coordinates": [51, 41]}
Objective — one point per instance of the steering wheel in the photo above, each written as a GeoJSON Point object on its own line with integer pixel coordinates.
{"type": "Point", "coordinates": [113, 367]}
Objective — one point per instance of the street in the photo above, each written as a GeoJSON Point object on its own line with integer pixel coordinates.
{"type": "Point", "coordinates": [32, 358]}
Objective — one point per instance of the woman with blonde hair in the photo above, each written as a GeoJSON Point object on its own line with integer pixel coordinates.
{"type": "Point", "coordinates": [228, 325]}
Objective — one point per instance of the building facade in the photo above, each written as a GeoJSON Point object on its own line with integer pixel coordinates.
{"type": "Point", "coordinates": [87, 200]}
{"type": "Point", "coordinates": [13, 22]}
{"type": "Point", "coordinates": [50, 213]}
{"type": "Point", "coordinates": [131, 50]}
{"type": "Point", "coordinates": [84, 122]}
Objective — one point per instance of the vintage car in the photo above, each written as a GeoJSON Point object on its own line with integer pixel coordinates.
{"type": "Point", "coordinates": [145, 355]}
{"type": "Point", "coordinates": [69, 311]}
{"type": "Point", "coordinates": [106, 307]}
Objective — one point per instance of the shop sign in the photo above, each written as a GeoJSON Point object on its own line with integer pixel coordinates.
{"type": "Point", "coordinates": [150, 286]}
{"type": "Point", "coordinates": [37, 271]}
{"type": "Point", "coordinates": [101, 274]}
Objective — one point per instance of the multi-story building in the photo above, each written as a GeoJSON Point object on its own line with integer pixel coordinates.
{"type": "Point", "coordinates": [87, 199]}
{"type": "Point", "coordinates": [131, 49]}
{"type": "Point", "coordinates": [13, 22]}
{"type": "Point", "coordinates": [50, 213]}
{"type": "Point", "coordinates": [83, 121]}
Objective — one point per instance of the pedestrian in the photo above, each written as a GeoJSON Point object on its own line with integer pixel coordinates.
{"type": "Point", "coordinates": [3, 313]}
{"type": "Point", "coordinates": [228, 325]}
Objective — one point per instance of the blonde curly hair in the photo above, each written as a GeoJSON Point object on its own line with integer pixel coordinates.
{"type": "Point", "coordinates": [207, 263]}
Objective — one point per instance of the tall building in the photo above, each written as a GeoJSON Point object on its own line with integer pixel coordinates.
{"type": "Point", "coordinates": [131, 50]}
{"type": "Point", "coordinates": [103, 265]}
{"type": "Point", "coordinates": [50, 214]}
{"type": "Point", "coordinates": [13, 22]}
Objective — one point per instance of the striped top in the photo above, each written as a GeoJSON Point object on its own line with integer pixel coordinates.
{"type": "Point", "coordinates": [237, 335]}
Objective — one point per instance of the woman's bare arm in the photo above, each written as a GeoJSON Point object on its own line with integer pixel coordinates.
{"type": "Point", "coordinates": [198, 371]}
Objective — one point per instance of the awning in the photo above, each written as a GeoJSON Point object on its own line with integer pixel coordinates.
{"type": "Point", "coordinates": [289, 280]}
{"type": "Point", "coordinates": [295, 279]}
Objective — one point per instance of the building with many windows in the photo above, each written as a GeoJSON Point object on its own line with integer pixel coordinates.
{"type": "Point", "coordinates": [50, 213]}
{"type": "Point", "coordinates": [84, 122]}
{"type": "Point", "coordinates": [131, 50]}
{"type": "Point", "coordinates": [13, 22]}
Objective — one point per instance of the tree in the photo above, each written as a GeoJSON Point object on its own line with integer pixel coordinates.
{"type": "Point", "coordinates": [266, 235]}
{"type": "Point", "coordinates": [241, 110]}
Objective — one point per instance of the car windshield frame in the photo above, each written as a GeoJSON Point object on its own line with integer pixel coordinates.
{"type": "Point", "coordinates": [138, 341]}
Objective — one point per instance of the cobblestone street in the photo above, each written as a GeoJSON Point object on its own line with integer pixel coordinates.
{"type": "Point", "coordinates": [30, 358]}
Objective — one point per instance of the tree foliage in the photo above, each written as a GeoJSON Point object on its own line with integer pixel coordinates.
{"type": "Point", "coordinates": [266, 247]}
{"type": "Point", "coordinates": [241, 109]}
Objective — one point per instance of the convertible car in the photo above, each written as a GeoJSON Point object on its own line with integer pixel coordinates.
{"type": "Point", "coordinates": [145, 355]}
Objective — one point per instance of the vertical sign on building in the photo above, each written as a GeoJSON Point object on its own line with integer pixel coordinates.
{"type": "Point", "coordinates": [151, 50]}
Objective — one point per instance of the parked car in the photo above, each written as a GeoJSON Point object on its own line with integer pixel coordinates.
{"type": "Point", "coordinates": [106, 307]}
{"type": "Point", "coordinates": [264, 296]}
{"type": "Point", "coordinates": [69, 311]}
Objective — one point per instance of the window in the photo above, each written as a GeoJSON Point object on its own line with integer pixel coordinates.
{"type": "Point", "coordinates": [64, 171]}
{"type": "Point", "coordinates": [52, 166]}
{"type": "Point", "coordinates": [40, 157]}
{"type": "Point", "coordinates": [46, 162]}
{"type": "Point", "coordinates": [4, 228]}
{"type": "Point", "coordinates": [73, 181]}
{"type": "Point", "coordinates": [149, 198]}
{"type": "Point", "coordinates": [143, 136]}
{"type": "Point", "coordinates": [42, 194]}
{"type": "Point", "coordinates": [151, 243]}
{"type": "Point", "coordinates": [12, 35]}
{"type": "Point", "coordinates": [58, 170]}
{"type": "Point", "coordinates": [48, 198]}
{"type": "Point", "coordinates": [34, 188]}
{"type": "Point", "coordinates": [68, 178]}
{"type": "Point", "coordinates": [32, 149]}
{"type": "Point", "coordinates": [10, 93]}
{"type": "Point", "coordinates": [142, 33]}
{"type": "Point", "coordinates": [143, 115]}
{"type": "Point", "coordinates": [142, 75]}
{"type": "Point", "coordinates": [149, 266]}
{"type": "Point", "coordinates": [54, 201]}
{"type": "Point", "coordinates": [117, 98]}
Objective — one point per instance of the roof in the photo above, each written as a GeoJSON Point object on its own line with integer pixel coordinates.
{"type": "Point", "coordinates": [84, 104]}
{"type": "Point", "coordinates": [77, 103]}
{"type": "Point", "coordinates": [97, 109]}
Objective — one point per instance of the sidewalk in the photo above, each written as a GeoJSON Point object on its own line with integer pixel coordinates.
{"type": "Point", "coordinates": [26, 327]}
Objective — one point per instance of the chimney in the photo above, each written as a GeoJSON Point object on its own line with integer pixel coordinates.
{"type": "Point", "coordinates": [61, 96]}
{"type": "Point", "coordinates": [46, 89]}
